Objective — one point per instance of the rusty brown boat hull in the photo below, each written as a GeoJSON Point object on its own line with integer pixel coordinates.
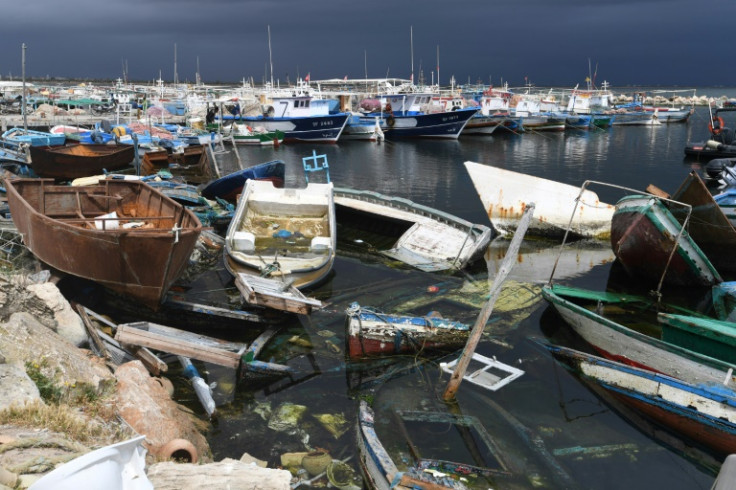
{"type": "Point", "coordinates": [193, 164]}
{"type": "Point", "coordinates": [78, 160]}
{"type": "Point", "coordinates": [64, 227]}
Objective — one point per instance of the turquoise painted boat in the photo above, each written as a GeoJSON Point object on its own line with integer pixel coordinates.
{"type": "Point", "coordinates": [18, 136]}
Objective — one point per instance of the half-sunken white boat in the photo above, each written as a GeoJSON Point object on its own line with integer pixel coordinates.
{"type": "Point", "coordinates": [284, 234]}
{"type": "Point", "coordinates": [432, 241]}
{"type": "Point", "coordinates": [504, 194]}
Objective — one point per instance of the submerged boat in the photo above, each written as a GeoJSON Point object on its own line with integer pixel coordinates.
{"type": "Point", "coordinates": [408, 438]}
{"type": "Point", "coordinates": [122, 234]}
{"type": "Point", "coordinates": [625, 328]}
{"type": "Point", "coordinates": [372, 333]}
{"type": "Point", "coordinates": [705, 413]}
{"type": "Point", "coordinates": [505, 193]}
{"type": "Point", "coordinates": [282, 233]}
{"type": "Point", "coordinates": [429, 240]}
{"type": "Point", "coordinates": [650, 243]}
{"type": "Point", "coordinates": [229, 186]}
{"type": "Point", "coordinates": [67, 162]}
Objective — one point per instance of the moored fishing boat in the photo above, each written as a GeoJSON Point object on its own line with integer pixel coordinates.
{"type": "Point", "coordinates": [122, 234]}
{"type": "Point", "coordinates": [242, 134]}
{"type": "Point", "coordinates": [191, 163]}
{"type": "Point", "coordinates": [67, 162]}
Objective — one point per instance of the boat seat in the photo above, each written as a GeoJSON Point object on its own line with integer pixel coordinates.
{"type": "Point", "coordinates": [320, 244]}
{"type": "Point", "coordinates": [244, 241]}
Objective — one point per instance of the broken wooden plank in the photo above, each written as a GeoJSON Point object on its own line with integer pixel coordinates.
{"type": "Point", "coordinates": [153, 364]}
{"type": "Point", "coordinates": [133, 335]}
{"type": "Point", "coordinates": [274, 294]}
{"type": "Point", "coordinates": [97, 342]}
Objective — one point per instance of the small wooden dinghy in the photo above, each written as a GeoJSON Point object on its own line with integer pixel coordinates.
{"type": "Point", "coordinates": [123, 234]}
{"type": "Point", "coordinates": [74, 161]}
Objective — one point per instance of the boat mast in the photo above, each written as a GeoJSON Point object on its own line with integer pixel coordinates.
{"type": "Point", "coordinates": [411, 43]}
{"type": "Point", "coordinates": [23, 73]}
{"type": "Point", "coordinates": [270, 60]}
{"type": "Point", "coordinates": [176, 74]}
{"type": "Point", "coordinates": [438, 67]}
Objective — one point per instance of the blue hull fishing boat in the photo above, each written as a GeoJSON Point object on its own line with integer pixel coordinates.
{"type": "Point", "coordinates": [229, 186]}
{"type": "Point", "coordinates": [410, 124]}
{"type": "Point", "coordinates": [704, 413]}
{"type": "Point", "coordinates": [18, 136]}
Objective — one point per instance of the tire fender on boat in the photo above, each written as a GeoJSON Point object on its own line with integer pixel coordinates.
{"type": "Point", "coordinates": [390, 121]}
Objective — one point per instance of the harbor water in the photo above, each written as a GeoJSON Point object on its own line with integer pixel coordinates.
{"type": "Point", "coordinates": [597, 445]}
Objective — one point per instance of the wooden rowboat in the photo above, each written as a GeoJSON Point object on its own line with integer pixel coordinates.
{"type": "Point", "coordinates": [372, 333]}
{"type": "Point", "coordinates": [704, 413]}
{"type": "Point", "coordinates": [74, 161]}
{"type": "Point", "coordinates": [122, 234]}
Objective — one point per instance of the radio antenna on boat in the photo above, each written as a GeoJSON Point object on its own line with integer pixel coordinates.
{"type": "Point", "coordinates": [411, 44]}
{"type": "Point", "coordinates": [475, 334]}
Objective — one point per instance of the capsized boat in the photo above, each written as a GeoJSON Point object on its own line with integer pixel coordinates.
{"type": "Point", "coordinates": [122, 234]}
{"type": "Point", "coordinates": [624, 328]}
{"type": "Point", "coordinates": [284, 233]}
{"type": "Point", "coordinates": [68, 162]}
{"type": "Point", "coordinates": [373, 333]}
{"type": "Point", "coordinates": [504, 194]}
{"type": "Point", "coordinates": [703, 412]}
{"type": "Point", "coordinates": [430, 239]}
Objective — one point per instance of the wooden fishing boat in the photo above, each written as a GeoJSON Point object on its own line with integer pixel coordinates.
{"type": "Point", "coordinates": [287, 234]}
{"type": "Point", "coordinates": [372, 333]}
{"type": "Point", "coordinates": [408, 438]}
{"type": "Point", "coordinates": [122, 234]}
{"type": "Point", "coordinates": [711, 221]}
{"type": "Point", "coordinates": [229, 186]}
{"type": "Point", "coordinates": [703, 413]}
{"type": "Point", "coordinates": [191, 163]}
{"type": "Point", "coordinates": [505, 193]}
{"type": "Point", "coordinates": [624, 328]}
{"type": "Point", "coordinates": [73, 161]}
{"type": "Point", "coordinates": [18, 136]}
{"type": "Point", "coordinates": [644, 234]}
{"type": "Point", "coordinates": [429, 239]}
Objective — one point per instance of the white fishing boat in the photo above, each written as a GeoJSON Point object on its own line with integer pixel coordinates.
{"type": "Point", "coordinates": [285, 234]}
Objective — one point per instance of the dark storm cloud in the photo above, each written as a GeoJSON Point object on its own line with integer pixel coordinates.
{"type": "Point", "coordinates": [550, 42]}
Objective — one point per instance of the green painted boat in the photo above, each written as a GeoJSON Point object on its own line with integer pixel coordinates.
{"type": "Point", "coordinates": [713, 338]}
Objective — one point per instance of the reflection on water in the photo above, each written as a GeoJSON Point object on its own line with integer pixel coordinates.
{"type": "Point", "coordinates": [596, 446]}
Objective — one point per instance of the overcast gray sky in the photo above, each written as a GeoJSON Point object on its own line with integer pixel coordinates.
{"type": "Point", "coordinates": [632, 42]}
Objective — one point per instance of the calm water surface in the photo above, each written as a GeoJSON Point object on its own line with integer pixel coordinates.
{"type": "Point", "coordinates": [547, 398]}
